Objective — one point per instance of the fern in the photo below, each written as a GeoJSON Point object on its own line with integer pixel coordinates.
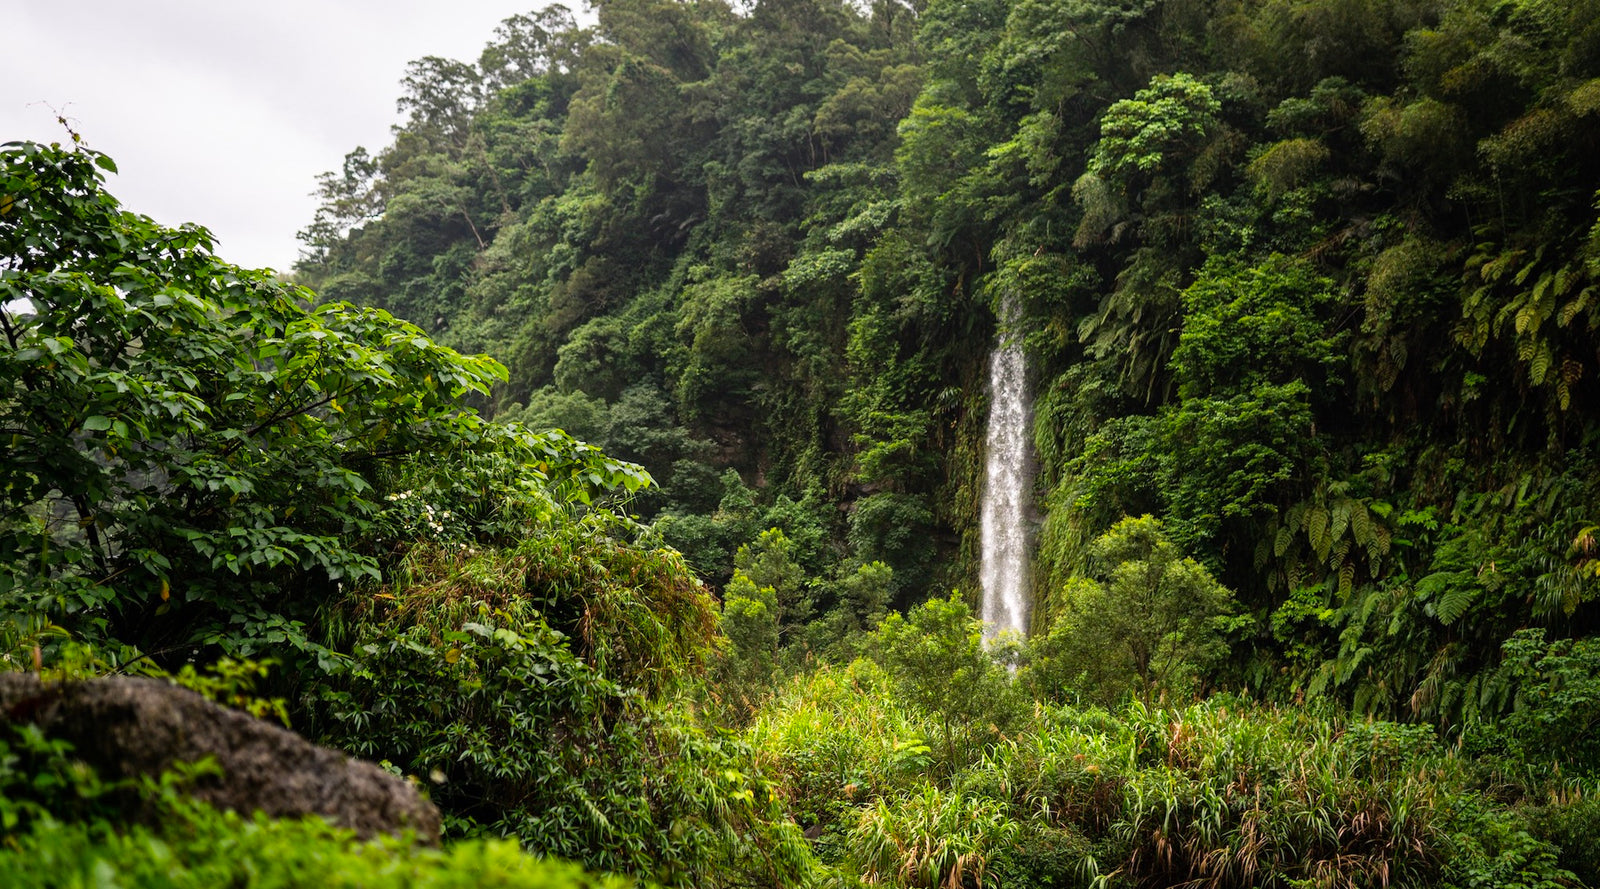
{"type": "Point", "coordinates": [1361, 525]}
{"type": "Point", "coordinates": [1539, 368]}
{"type": "Point", "coordinates": [1317, 531]}
{"type": "Point", "coordinates": [1450, 593]}
{"type": "Point", "coordinates": [1338, 519]}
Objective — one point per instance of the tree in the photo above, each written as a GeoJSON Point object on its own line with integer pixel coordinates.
{"type": "Point", "coordinates": [748, 666]}
{"type": "Point", "coordinates": [1148, 622]}
{"type": "Point", "coordinates": [768, 563]}
{"type": "Point", "coordinates": [940, 665]}
{"type": "Point", "coordinates": [349, 198]}
{"type": "Point", "coordinates": [192, 455]}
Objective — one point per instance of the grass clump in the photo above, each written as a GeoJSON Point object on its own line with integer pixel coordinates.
{"type": "Point", "coordinates": [1221, 793]}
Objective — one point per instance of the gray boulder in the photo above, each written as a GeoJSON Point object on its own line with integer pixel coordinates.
{"type": "Point", "coordinates": [127, 726]}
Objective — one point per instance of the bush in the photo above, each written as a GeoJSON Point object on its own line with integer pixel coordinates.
{"type": "Point", "coordinates": [940, 664]}
{"type": "Point", "coordinates": [1148, 623]}
{"type": "Point", "coordinates": [837, 737]}
{"type": "Point", "coordinates": [212, 487]}
{"type": "Point", "coordinates": [1571, 822]}
{"type": "Point", "coordinates": [1223, 793]}
{"type": "Point", "coordinates": [1552, 706]}
{"type": "Point", "coordinates": [530, 687]}
{"type": "Point", "coordinates": [65, 826]}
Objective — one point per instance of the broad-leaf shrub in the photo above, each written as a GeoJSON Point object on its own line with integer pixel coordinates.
{"type": "Point", "coordinates": [1553, 709]}
{"type": "Point", "coordinates": [1148, 622]}
{"type": "Point", "coordinates": [64, 826]}
{"type": "Point", "coordinates": [530, 686]}
{"type": "Point", "coordinates": [195, 453]}
{"type": "Point", "coordinates": [939, 663]}
{"type": "Point", "coordinates": [195, 847]}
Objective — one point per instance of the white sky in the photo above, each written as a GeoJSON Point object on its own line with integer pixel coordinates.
{"type": "Point", "coordinates": [223, 112]}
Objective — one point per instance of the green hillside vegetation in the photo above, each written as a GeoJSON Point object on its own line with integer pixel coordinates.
{"type": "Point", "coordinates": [611, 461]}
{"type": "Point", "coordinates": [1310, 282]}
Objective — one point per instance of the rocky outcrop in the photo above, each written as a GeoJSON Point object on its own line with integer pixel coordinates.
{"type": "Point", "coordinates": [126, 726]}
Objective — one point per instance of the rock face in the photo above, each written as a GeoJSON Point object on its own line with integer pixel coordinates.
{"type": "Point", "coordinates": [126, 726]}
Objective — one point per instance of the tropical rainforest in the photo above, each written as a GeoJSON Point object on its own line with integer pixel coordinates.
{"type": "Point", "coordinates": [611, 461]}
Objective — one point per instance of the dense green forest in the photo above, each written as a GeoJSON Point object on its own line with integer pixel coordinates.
{"type": "Point", "coordinates": [1311, 282]}
{"type": "Point", "coordinates": [676, 577]}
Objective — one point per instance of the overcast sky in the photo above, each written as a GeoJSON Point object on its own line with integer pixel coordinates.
{"type": "Point", "coordinates": [223, 112]}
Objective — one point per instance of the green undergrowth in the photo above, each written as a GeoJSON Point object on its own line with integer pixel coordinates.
{"type": "Point", "coordinates": [1219, 793]}
{"type": "Point", "coordinates": [222, 849]}
{"type": "Point", "coordinates": [536, 688]}
{"type": "Point", "coordinates": [65, 826]}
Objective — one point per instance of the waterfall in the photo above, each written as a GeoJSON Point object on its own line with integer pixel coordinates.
{"type": "Point", "coordinates": [1007, 485]}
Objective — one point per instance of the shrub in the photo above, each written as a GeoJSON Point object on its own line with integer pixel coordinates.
{"type": "Point", "coordinates": [838, 737]}
{"type": "Point", "coordinates": [1148, 623]}
{"type": "Point", "coordinates": [1552, 704]}
{"type": "Point", "coordinates": [201, 848]}
{"type": "Point", "coordinates": [529, 686]}
{"type": "Point", "coordinates": [939, 663]}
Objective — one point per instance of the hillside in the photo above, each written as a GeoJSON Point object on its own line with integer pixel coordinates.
{"type": "Point", "coordinates": [1312, 282]}
{"type": "Point", "coordinates": [611, 466]}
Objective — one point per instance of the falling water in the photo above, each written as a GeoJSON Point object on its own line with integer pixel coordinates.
{"type": "Point", "coordinates": [1007, 484]}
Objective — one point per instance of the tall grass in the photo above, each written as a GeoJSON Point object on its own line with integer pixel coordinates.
{"type": "Point", "coordinates": [1255, 797]}
{"type": "Point", "coordinates": [930, 837]}
{"type": "Point", "coordinates": [1224, 793]}
{"type": "Point", "coordinates": [838, 737]}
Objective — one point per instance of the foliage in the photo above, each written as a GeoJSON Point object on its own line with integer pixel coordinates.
{"type": "Point", "coordinates": [767, 563]}
{"type": "Point", "coordinates": [1222, 792]}
{"type": "Point", "coordinates": [1553, 691]}
{"type": "Point", "coordinates": [1290, 271]}
{"type": "Point", "coordinates": [224, 849]}
{"type": "Point", "coordinates": [1158, 126]}
{"type": "Point", "coordinates": [748, 667]}
{"type": "Point", "coordinates": [41, 782]}
{"type": "Point", "coordinates": [308, 478]}
{"type": "Point", "coordinates": [1311, 284]}
{"type": "Point", "coordinates": [195, 456]}
{"type": "Point", "coordinates": [1148, 622]}
{"type": "Point", "coordinates": [193, 845]}
{"type": "Point", "coordinates": [940, 664]}
{"type": "Point", "coordinates": [232, 683]}
{"type": "Point", "coordinates": [545, 670]}
{"type": "Point", "coordinates": [930, 838]}
{"type": "Point", "coordinates": [65, 826]}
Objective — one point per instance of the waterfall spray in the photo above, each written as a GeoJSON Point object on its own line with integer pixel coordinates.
{"type": "Point", "coordinates": [1004, 570]}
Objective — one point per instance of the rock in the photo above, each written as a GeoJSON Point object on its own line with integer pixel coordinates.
{"type": "Point", "coordinates": [127, 726]}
